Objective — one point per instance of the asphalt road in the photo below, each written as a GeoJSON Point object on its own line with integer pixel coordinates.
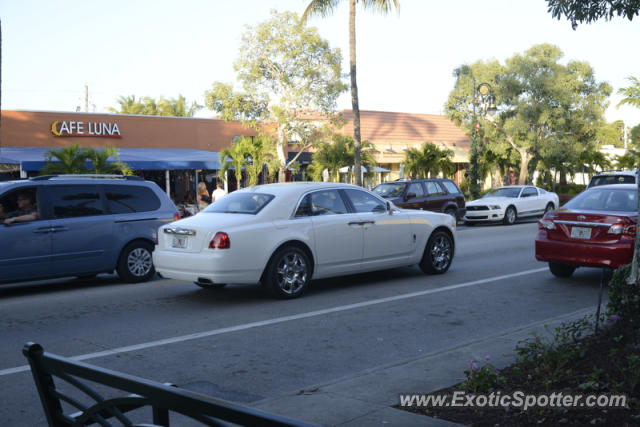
{"type": "Point", "coordinates": [238, 344]}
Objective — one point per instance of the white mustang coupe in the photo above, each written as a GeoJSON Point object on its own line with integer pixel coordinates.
{"type": "Point", "coordinates": [282, 235]}
{"type": "Point", "coordinates": [506, 204]}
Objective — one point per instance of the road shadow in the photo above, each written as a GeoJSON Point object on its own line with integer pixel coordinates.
{"type": "Point", "coordinates": [58, 285]}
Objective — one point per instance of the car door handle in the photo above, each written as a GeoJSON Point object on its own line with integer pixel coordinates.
{"type": "Point", "coordinates": [58, 228]}
{"type": "Point", "coordinates": [43, 230]}
{"type": "Point", "coordinates": [368, 222]}
{"type": "Point", "coordinates": [356, 223]}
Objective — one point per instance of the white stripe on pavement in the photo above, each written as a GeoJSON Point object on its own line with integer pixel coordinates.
{"type": "Point", "coordinates": [182, 338]}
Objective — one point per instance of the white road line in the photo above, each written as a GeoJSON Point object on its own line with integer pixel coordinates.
{"type": "Point", "coordinates": [277, 320]}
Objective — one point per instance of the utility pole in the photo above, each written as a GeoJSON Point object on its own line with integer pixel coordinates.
{"type": "Point", "coordinates": [86, 98]}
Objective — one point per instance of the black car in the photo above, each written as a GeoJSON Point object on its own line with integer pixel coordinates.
{"type": "Point", "coordinates": [432, 194]}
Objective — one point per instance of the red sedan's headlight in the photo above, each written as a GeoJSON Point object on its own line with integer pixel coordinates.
{"type": "Point", "coordinates": [220, 241]}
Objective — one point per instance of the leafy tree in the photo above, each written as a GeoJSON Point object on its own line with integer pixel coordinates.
{"type": "Point", "coordinates": [259, 151]}
{"type": "Point", "coordinates": [66, 160]}
{"type": "Point", "coordinates": [326, 7]}
{"type": "Point", "coordinates": [285, 70]}
{"type": "Point", "coordinates": [430, 159]}
{"type": "Point", "coordinates": [237, 158]}
{"type": "Point", "coordinates": [150, 107]}
{"type": "Point", "coordinates": [541, 102]}
{"type": "Point", "coordinates": [73, 160]}
{"type": "Point", "coordinates": [587, 11]}
{"type": "Point", "coordinates": [100, 160]}
{"type": "Point", "coordinates": [631, 94]}
{"type": "Point", "coordinates": [337, 154]}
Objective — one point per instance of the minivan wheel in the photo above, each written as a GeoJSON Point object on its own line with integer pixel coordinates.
{"type": "Point", "coordinates": [438, 253]}
{"type": "Point", "coordinates": [288, 273]}
{"type": "Point", "coordinates": [561, 270]}
{"type": "Point", "coordinates": [136, 263]}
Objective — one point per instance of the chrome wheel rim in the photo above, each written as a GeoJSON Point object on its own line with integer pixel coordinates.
{"type": "Point", "coordinates": [511, 216]}
{"type": "Point", "coordinates": [139, 262]}
{"type": "Point", "coordinates": [440, 252]}
{"type": "Point", "coordinates": [291, 273]}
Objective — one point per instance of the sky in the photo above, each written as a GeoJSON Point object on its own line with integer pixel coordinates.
{"type": "Point", "coordinates": [52, 49]}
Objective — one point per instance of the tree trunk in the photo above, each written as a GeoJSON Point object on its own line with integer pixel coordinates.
{"type": "Point", "coordinates": [354, 93]}
{"type": "Point", "coordinates": [525, 158]}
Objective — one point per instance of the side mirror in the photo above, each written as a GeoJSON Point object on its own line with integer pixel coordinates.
{"type": "Point", "coordinates": [389, 210]}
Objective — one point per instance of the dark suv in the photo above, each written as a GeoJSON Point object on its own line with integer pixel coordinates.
{"type": "Point", "coordinates": [432, 194]}
{"type": "Point", "coordinates": [75, 225]}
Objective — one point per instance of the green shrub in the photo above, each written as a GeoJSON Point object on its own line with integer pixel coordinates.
{"type": "Point", "coordinates": [624, 299]}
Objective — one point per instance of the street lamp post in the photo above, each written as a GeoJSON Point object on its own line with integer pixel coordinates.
{"type": "Point", "coordinates": [484, 98]}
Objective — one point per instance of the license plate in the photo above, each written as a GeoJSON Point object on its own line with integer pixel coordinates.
{"type": "Point", "coordinates": [179, 242]}
{"type": "Point", "coordinates": [580, 232]}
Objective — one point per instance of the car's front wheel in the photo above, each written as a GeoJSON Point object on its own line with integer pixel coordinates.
{"type": "Point", "coordinates": [561, 270]}
{"type": "Point", "coordinates": [510, 216]}
{"type": "Point", "coordinates": [438, 253]}
{"type": "Point", "coordinates": [288, 273]}
{"type": "Point", "coordinates": [136, 264]}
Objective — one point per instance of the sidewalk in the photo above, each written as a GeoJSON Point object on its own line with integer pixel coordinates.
{"type": "Point", "coordinates": [366, 398]}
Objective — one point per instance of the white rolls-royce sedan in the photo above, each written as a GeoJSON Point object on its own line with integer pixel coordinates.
{"type": "Point", "coordinates": [282, 235]}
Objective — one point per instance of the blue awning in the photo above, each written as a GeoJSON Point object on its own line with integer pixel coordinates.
{"type": "Point", "coordinates": [32, 158]}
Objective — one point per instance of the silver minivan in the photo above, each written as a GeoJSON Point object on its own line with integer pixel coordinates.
{"type": "Point", "coordinates": [80, 225]}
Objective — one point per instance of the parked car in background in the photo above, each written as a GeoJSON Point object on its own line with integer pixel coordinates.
{"type": "Point", "coordinates": [596, 228]}
{"type": "Point", "coordinates": [509, 203]}
{"type": "Point", "coordinates": [81, 225]}
{"type": "Point", "coordinates": [613, 177]}
{"type": "Point", "coordinates": [432, 194]}
{"type": "Point", "coordinates": [282, 235]}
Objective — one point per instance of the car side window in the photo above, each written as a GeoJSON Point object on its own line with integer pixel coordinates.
{"type": "Point", "coordinates": [365, 202]}
{"type": "Point", "coordinates": [529, 192]}
{"type": "Point", "coordinates": [327, 202]}
{"type": "Point", "coordinates": [304, 208]}
{"type": "Point", "coordinates": [434, 189]}
{"type": "Point", "coordinates": [21, 203]}
{"type": "Point", "coordinates": [451, 187]}
{"type": "Point", "coordinates": [130, 198]}
{"type": "Point", "coordinates": [415, 188]}
{"type": "Point", "coordinates": [71, 201]}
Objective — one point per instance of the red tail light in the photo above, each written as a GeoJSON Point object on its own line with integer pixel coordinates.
{"type": "Point", "coordinates": [624, 228]}
{"type": "Point", "coordinates": [220, 241]}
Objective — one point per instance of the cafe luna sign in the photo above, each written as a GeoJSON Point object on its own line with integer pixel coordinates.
{"type": "Point", "coordinates": [94, 129]}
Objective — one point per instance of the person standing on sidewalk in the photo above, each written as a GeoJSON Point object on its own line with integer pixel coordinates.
{"type": "Point", "coordinates": [218, 193]}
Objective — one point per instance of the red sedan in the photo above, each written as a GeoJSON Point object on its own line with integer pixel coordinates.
{"type": "Point", "coordinates": [596, 228]}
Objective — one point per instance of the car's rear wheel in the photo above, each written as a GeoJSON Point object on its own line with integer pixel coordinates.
{"type": "Point", "coordinates": [510, 216]}
{"type": "Point", "coordinates": [438, 253]}
{"type": "Point", "coordinates": [549, 207]}
{"type": "Point", "coordinates": [288, 273]}
{"type": "Point", "coordinates": [453, 213]}
{"type": "Point", "coordinates": [136, 264]}
{"type": "Point", "coordinates": [561, 270]}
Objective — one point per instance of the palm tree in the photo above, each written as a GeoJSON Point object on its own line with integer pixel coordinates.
{"type": "Point", "coordinates": [101, 164]}
{"type": "Point", "coordinates": [429, 159]}
{"type": "Point", "coordinates": [129, 105]}
{"type": "Point", "coordinates": [338, 154]}
{"type": "Point", "coordinates": [324, 8]}
{"type": "Point", "coordinates": [259, 150]}
{"type": "Point", "coordinates": [68, 160]}
{"type": "Point", "coordinates": [177, 107]}
{"type": "Point", "coordinates": [631, 93]}
{"type": "Point", "coordinates": [237, 155]}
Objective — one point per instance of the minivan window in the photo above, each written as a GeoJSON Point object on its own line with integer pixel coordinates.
{"type": "Point", "coordinates": [75, 200]}
{"type": "Point", "coordinates": [434, 189]}
{"type": "Point", "coordinates": [130, 198]}
{"type": "Point", "coordinates": [416, 188]}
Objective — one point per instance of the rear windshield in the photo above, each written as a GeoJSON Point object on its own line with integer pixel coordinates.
{"type": "Point", "coordinates": [612, 179]}
{"type": "Point", "coordinates": [605, 199]}
{"type": "Point", "coordinates": [242, 203]}
{"type": "Point", "coordinates": [390, 190]}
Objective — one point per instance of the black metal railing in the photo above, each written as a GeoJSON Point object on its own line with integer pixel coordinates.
{"type": "Point", "coordinates": [163, 399]}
